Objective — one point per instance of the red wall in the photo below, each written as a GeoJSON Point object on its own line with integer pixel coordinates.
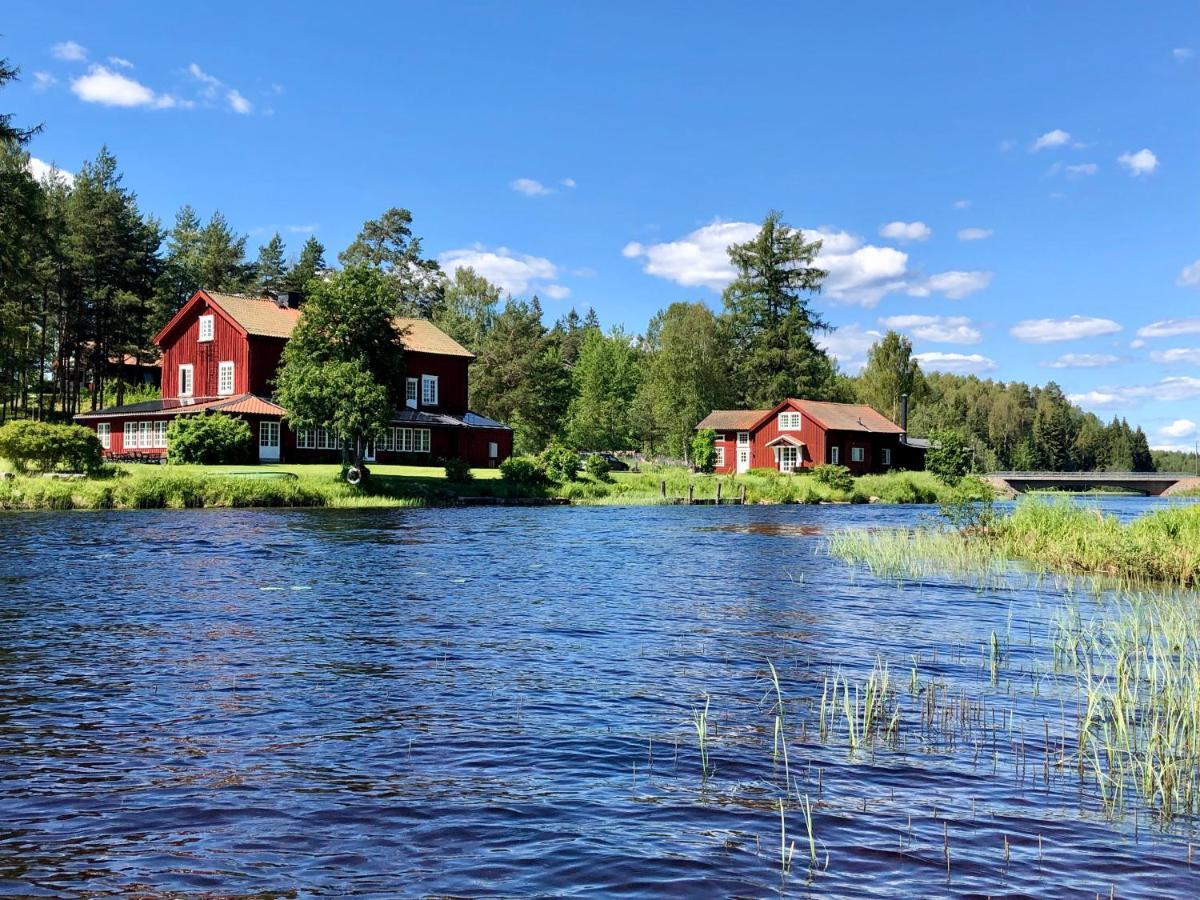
{"type": "Point", "coordinates": [451, 372]}
{"type": "Point", "coordinates": [265, 354]}
{"type": "Point", "coordinates": [184, 346]}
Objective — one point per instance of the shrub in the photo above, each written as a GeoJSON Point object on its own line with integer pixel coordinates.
{"type": "Point", "coordinates": [704, 450]}
{"type": "Point", "coordinates": [458, 470]}
{"type": "Point", "coordinates": [208, 439]}
{"type": "Point", "coordinates": [598, 467]}
{"type": "Point", "coordinates": [45, 446]}
{"type": "Point", "coordinates": [522, 470]}
{"type": "Point", "coordinates": [561, 464]}
{"type": "Point", "coordinates": [836, 477]}
{"type": "Point", "coordinates": [949, 457]}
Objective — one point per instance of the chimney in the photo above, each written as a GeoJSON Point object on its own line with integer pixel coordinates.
{"type": "Point", "coordinates": [903, 417]}
{"type": "Point", "coordinates": [287, 299]}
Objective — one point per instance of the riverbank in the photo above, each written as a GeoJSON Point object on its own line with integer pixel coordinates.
{"type": "Point", "coordinates": [1048, 536]}
{"type": "Point", "coordinates": [195, 487]}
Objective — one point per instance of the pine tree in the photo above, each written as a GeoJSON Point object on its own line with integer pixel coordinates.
{"type": "Point", "coordinates": [891, 373]}
{"type": "Point", "coordinates": [270, 269]}
{"type": "Point", "coordinates": [222, 255]}
{"type": "Point", "coordinates": [309, 266]}
{"type": "Point", "coordinates": [389, 245]}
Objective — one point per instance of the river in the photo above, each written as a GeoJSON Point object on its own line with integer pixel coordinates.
{"type": "Point", "coordinates": [503, 702]}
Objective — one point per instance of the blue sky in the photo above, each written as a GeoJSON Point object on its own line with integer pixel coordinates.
{"type": "Point", "coordinates": [1014, 187]}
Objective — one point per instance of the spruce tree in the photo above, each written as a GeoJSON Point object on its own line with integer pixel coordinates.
{"type": "Point", "coordinates": [270, 269]}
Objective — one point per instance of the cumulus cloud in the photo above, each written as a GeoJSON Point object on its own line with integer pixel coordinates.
{"type": "Point", "coordinates": [44, 171]}
{"type": "Point", "coordinates": [530, 187]}
{"type": "Point", "coordinates": [1186, 355]}
{"type": "Point", "coordinates": [958, 363]}
{"type": "Point", "coordinates": [906, 231]}
{"type": "Point", "coordinates": [108, 88]}
{"type": "Point", "coordinates": [1170, 390]}
{"type": "Point", "coordinates": [69, 51]}
{"type": "Point", "coordinates": [1189, 275]}
{"type": "Point", "coordinates": [514, 272]}
{"type": "Point", "coordinates": [1047, 331]}
{"type": "Point", "coordinates": [1055, 138]}
{"type": "Point", "coordinates": [1143, 162]}
{"type": "Point", "coordinates": [974, 234]}
{"type": "Point", "coordinates": [849, 345]}
{"type": "Point", "coordinates": [1170, 327]}
{"type": "Point", "coordinates": [557, 291]}
{"type": "Point", "coordinates": [937, 329]}
{"type": "Point", "coordinates": [954, 285]}
{"type": "Point", "coordinates": [43, 80]}
{"type": "Point", "coordinates": [1084, 361]}
{"type": "Point", "coordinates": [1180, 428]}
{"type": "Point", "coordinates": [238, 103]}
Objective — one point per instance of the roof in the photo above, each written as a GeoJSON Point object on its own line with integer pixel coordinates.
{"type": "Point", "coordinates": [242, 404]}
{"type": "Point", "coordinates": [785, 439]}
{"type": "Point", "coordinates": [260, 316]}
{"type": "Point", "coordinates": [422, 336]}
{"type": "Point", "coordinates": [732, 419]}
{"type": "Point", "coordinates": [468, 420]}
{"type": "Point", "coordinates": [848, 417]}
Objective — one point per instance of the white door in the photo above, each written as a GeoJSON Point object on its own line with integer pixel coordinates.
{"type": "Point", "coordinates": [268, 442]}
{"type": "Point", "coordinates": [743, 451]}
{"type": "Point", "coordinates": [369, 452]}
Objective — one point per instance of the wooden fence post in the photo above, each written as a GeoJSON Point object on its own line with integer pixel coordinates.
{"type": "Point", "coordinates": [718, 493]}
{"type": "Point", "coordinates": [662, 489]}
{"type": "Point", "coordinates": [691, 489]}
{"type": "Point", "coordinates": [742, 494]}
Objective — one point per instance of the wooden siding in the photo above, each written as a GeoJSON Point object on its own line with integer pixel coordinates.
{"type": "Point", "coordinates": [451, 372]}
{"type": "Point", "coordinates": [229, 344]}
{"type": "Point", "coordinates": [265, 355]}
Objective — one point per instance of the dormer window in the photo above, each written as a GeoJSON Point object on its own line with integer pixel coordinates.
{"type": "Point", "coordinates": [429, 390]}
{"type": "Point", "coordinates": [206, 328]}
{"type": "Point", "coordinates": [789, 421]}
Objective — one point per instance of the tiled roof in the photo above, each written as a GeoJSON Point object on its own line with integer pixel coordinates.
{"type": "Point", "coordinates": [241, 403]}
{"type": "Point", "coordinates": [250, 404]}
{"type": "Point", "coordinates": [848, 417]}
{"type": "Point", "coordinates": [257, 315]}
{"type": "Point", "coordinates": [422, 336]}
{"type": "Point", "coordinates": [732, 419]}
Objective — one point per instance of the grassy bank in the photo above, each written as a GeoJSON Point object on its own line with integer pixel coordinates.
{"type": "Point", "coordinates": [1049, 536]}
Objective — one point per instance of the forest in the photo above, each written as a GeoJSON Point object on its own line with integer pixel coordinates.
{"type": "Point", "coordinates": [86, 278]}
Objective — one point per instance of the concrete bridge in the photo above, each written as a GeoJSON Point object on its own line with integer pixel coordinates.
{"type": "Point", "coordinates": [1153, 484]}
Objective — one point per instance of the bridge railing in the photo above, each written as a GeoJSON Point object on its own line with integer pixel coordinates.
{"type": "Point", "coordinates": [1093, 474]}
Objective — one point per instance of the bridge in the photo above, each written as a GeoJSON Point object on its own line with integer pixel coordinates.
{"type": "Point", "coordinates": [1153, 484]}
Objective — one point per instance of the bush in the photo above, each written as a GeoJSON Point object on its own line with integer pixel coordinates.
{"type": "Point", "coordinates": [704, 450]}
{"type": "Point", "coordinates": [45, 446]}
{"type": "Point", "coordinates": [949, 457]}
{"type": "Point", "coordinates": [458, 471]}
{"type": "Point", "coordinates": [836, 477]}
{"type": "Point", "coordinates": [523, 470]}
{"type": "Point", "coordinates": [208, 439]}
{"type": "Point", "coordinates": [560, 464]}
{"type": "Point", "coordinates": [598, 467]}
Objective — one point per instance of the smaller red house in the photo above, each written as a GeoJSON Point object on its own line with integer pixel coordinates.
{"type": "Point", "coordinates": [800, 434]}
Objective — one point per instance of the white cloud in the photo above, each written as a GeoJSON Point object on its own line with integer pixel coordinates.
{"type": "Point", "coordinates": [1188, 355]}
{"type": "Point", "coordinates": [1183, 53]}
{"type": "Point", "coordinates": [557, 291]}
{"type": "Point", "coordinates": [512, 271]}
{"type": "Point", "coordinates": [109, 88]}
{"type": "Point", "coordinates": [1180, 428]}
{"type": "Point", "coordinates": [937, 329]}
{"type": "Point", "coordinates": [43, 80]}
{"type": "Point", "coordinates": [70, 51]}
{"type": "Point", "coordinates": [1170, 327]}
{"type": "Point", "coordinates": [203, 77]}
{"type": "Point", "coordinates": [1143, 162]}
{"type": "Point", "coordinates": [698, 258]}
{"type": "Point", "coordinates": [962, 204]}
{"type": "Point", "coordinates": [1081, 170]}
{"type": "Point", "coordinates": [1084, 361]}
{"type": "Point", "coordinates": [849, 345]}
{"type": "Point", "coordinates": [44, 171]}
{"type": "Point", "coordinates": [974, 234]}
{"type": "Point", "coordinates": [120, 62]}
{"type": "Point", "coordinates": [303, 229]}
{"type": "Point", "coordinates": [530, 188]}
{"type": "Point", "coordinates": [958, 363]}
{"type": "Point", "coordinates": [238, 103]}
{"type": "Point", "coordinates": [1047, 331]}
{"type": "Point", "coordinates": [1189, 275]}
{"type": "Point", "coordinates": [906, 231]}
{"type": "Point", "coordinates": [1137, 344]}
{"type": "Point", "coordinates": [953, 285]}
{"type": "Point", "coordinates": [568, 182]}
{"type": "Point", "coordinates": [1055, 138]}
{"type": "Point", "coordinates": [1169, 390]}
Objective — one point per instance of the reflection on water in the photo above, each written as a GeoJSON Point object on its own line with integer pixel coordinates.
{"type": "Point", "coordinates": [500, 701]}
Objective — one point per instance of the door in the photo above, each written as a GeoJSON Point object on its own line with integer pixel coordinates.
{"type": "Point", "coordinates": [268, 442]}
{"type": "Point", "coordinates": [743, 451]}
{"type": "Point", "coordinates": [369, 451]}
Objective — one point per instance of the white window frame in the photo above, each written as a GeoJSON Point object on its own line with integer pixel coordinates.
{"type": "Point", "coordinates": [743, 438]}
{"type": "Point", "coordinates": [147, 435]}
{"type": "Point", "coordinates": [207, 328]}
{"type": "Point", "coordinates": [885, 456]}
{"type": "Point", "coordinates": [429, 390]}
{"type": "Point", "coordinates": [410, 393]}
{"type": "Point", "coordinates": [225, 378]}
{"type": "Point", "coordinates": [858, 454]}
{"type": "Point", "coordinates": [789, 421]}
{"type": "Point", "coordinates": [493, 450]}
{"type": "Point", "coordinates": [190, 371]}
{"type": "Point", "coordinates": [835, 455]}
{"type": "Point", "coordinates": [306, 439]}
{"type": "Point", "coordinates": [268, 433]}
{"type": "Point", "coordinates": [720, 448]}
{"type": "Point", "coordinates": [104, 432]}
{"type": "Point", "coordinates": [404, 440]}
{"type": "Point", "coordinates": [788, 457]}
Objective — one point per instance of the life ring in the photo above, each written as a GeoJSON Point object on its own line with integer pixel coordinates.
{"type": "Point", "coordinates": [354, 475]}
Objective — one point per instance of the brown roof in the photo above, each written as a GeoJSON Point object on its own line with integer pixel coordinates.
{"type": "Point", "coordinates": [257, 315]}
{"type": "Point", "coordinates": [732, 419]}
{"type": "Point", "coordinates": [422, 336]}
{"type": "Point", "coordinates": [239, 403]}
{"type": "Point", "coordinates": [848, 417]}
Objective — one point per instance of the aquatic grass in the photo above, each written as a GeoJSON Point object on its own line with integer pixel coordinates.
{"type": "Point", "coordinates": [700, 721]}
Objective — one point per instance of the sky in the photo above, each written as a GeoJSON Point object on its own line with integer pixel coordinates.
{"type": "Point", "coordinates": [1016, 187]}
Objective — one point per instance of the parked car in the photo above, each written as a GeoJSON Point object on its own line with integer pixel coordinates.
{"type": "Point", "coordinates": [615, 464]}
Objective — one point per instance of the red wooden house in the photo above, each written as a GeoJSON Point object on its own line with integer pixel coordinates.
{"type": "Point", "coordinates": [221, 352]}
{"type": "Point", "coordinates": [800, 434]}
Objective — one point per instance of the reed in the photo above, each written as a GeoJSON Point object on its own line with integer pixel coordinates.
{"type": "Point", "coordinates": [700, 720]}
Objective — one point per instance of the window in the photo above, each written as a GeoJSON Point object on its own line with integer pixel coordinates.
{"type": "Point", "coordinates": [743, 438]}
{"type": "Point", "coordinates": [720, 456]}
{"type": "Point", "coordinates": [835, 455]}
{"type": "Point", "coordinates": [429, 390]}
{"type": "Point", "coordinates": [313, 439]}
{"type": "Point", "coordinates": [405, 440]}
{"type": "Point", "coordinates": [857, 454]}
{"type": "Point", "coordinates": [268, 434]}
{"type": "Point", "coordinates": [104, 432]}
{"type": "Point", "coordinates": [146, 435]}
{"type": "Point", "coordinates": [225, 379]}
{"type": "Point", "coordinates": [789, 457]}
{"type": "Point", "coordinates": [185, 380]}
{"type": "Point", "coordinates": [410, 393]}
{"type": "Point", "coordinates": [493, 449]}
{"type": "Point", "coordinates": [305, 439]}
{"type": "Point", "coordinates": [206, 328]}
{"type": "Point", "coordinates": [885, 456]}
{"type": "Point", "coordinates": [789, 421]}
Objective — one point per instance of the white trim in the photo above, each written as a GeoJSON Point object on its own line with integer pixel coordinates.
{"type": "Point", "coordinates": [835, 455]}
{"type": "Point", "coordinates": [885, 456]}
{"type": "Point", "coordinates": [104, 432]}
{"type": "Point", "coordinates": [787, 457]}
{"type": "Point", "coordinates": [429, 390]}
{"type": "Point", "coordinates": [743, 438]}
{"type": "Point", "coordinates": [224, 378]}
{"type": "Point", "coordinates": [720, 448]}
{"type": "Point", "coordinates": [404, 440]}
{"type": "Point", "coordinates": [268, 440]}
{"type": "Point", "coordinates": [493, 450]}
{"type": "Point", "coordinates": [207, 328]}
{"type": "Point", "coordinates": [858, 454]}
{"type": "Point", "coordinates": [190, 371]}
{"type": "Point", "coordinates": [145, 435]}
{"type": "Point", "coordinates": [790, 421]}
{"type": "Point", "coordinates": [410, 393]}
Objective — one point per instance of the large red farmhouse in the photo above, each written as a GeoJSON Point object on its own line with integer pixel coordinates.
{"type": "Point", "coordinates": [221, 352]}
{"type": "Point", "coordinates": [799, 434]}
